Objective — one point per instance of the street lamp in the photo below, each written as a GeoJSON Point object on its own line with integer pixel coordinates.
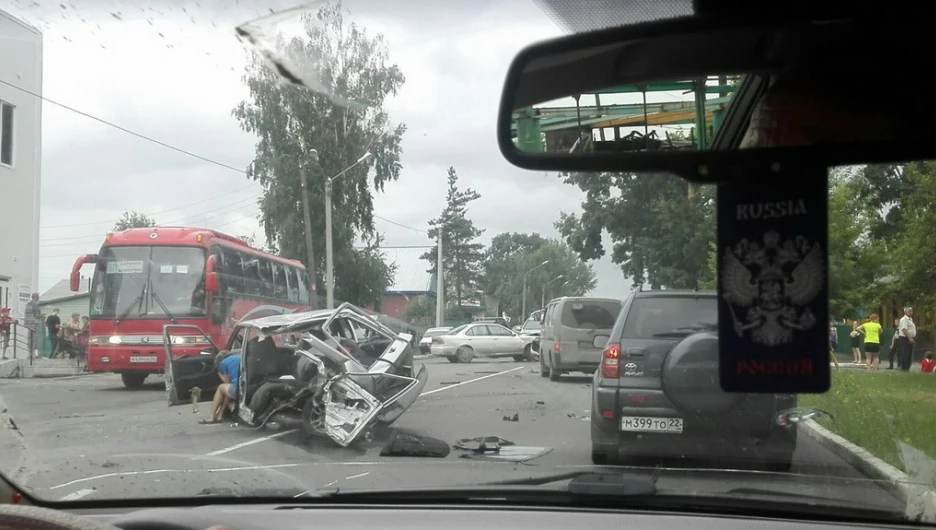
{"type": "Point", "coordinates": [543, 297]}
{"type": "Point", "coordinates": [329, 268]}
{"type": "Point", "coordinates": [523, 313]}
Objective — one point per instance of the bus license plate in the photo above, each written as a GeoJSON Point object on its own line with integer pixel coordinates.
{"type": "Point", "coordinates": [647, 424]}
{"type": "Point", "coordinates": [142, 358]}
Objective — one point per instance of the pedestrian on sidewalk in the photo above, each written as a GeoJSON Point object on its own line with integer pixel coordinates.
{"type": "Point", "coordinates": [894, 344]}
{"type": "Point", "coordinates": [53, 325]}
{"type": "Point", "coordinates": [70, 331]}
{"type": "Point", "coordinates": [872, 333]}
{"type": "Point", "coordinates": [83, 338]}
{"type": "Point", "coordinates": [33, 317]}
{"type": "Point", "coordinates": [907, 340]}
{"type": "Point", "coordinates": [6, 324]}
{"type": "Point", "coordinates": [855, 342]}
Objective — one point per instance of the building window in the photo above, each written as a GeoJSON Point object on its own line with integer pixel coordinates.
{"type": "Point", "coordinates": [6, 133]}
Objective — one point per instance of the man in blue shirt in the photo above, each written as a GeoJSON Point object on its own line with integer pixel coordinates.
{"type": "Point", "coordinates": [229, 370]}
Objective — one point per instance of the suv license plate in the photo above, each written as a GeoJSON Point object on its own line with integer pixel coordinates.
{"type": "Point", "coordinates": [648, 424]}
{"type": "Point", "coordinates": [143, 358]}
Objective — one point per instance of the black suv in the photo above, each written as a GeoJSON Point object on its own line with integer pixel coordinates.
{"type": "Point", "coordinates": [656, 393]}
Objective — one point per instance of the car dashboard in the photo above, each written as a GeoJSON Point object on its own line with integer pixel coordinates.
{"type": "Point", "coordinates": [428, 517]}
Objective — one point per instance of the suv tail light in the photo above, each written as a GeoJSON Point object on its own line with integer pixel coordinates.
{"type": "Point", "coordinates": [610, 359]}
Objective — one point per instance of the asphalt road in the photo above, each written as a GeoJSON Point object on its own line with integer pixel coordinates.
{"type": "Point", "coordinates": [88, 437]}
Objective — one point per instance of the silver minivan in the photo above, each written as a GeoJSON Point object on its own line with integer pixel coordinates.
{"type": "Point", "coordinates": [569, 328]}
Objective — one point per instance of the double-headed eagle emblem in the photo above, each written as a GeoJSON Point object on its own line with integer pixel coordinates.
{"type": "Point", "coordinates": [773, 284]}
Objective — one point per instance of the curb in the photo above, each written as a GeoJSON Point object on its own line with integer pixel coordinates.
{"type": "Point", "coordinates": [920, 500]}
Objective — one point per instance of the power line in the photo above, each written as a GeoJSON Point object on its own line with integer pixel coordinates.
{"type": "Point", "coordinates": [154, 213]}
{"type": "Point", "coordinates": [157, 142]}
{"type": "Point", "coordinates": [124, 129]}
{"type": "Point", "coordinates": [78, 239]}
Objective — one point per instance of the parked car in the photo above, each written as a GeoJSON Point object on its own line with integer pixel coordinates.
{"type": "Point", "coordinates": [657, 393]}
{"type": "Point", "coordinates": [569, 328]}
{"type": "Point", "coordinates": [461, 344]}
{"type": "Point", "coordinates": [426, 339]}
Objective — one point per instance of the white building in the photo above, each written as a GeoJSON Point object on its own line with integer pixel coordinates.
{"type": "Point", "coordinates": [20, 157]}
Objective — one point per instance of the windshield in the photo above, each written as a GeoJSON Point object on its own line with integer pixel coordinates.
{"type": "Point", "coordinates": [149, 282]}
{"type": "Point", "coordinates": [204, 164]}
{"type": "Point", "coordinates": [590, 314]}
{"type": "Point", "coordinates": [659, 317]}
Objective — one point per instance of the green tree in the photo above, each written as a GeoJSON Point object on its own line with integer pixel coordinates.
{"type": "Point", "coordinates": [133, 220]}
{"type": "Point", "coordinates": [348, 65]}
{"type": "Point", "coordinates": [915, 247]}
{"type": "Point", "coordinates": [462, 255]}
{"type": "Point", "coordinates": [367, 275]}
{"type": "Point", "coordinates": [421, 309]}
{"type": "Point", "coordinates": [662, 228]}
{"type": "Point", "coordinates": [854, 264]}
{"type": "Point", "coordinates": [512, 255]}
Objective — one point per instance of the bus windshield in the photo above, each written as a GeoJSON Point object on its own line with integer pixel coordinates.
{"type": "Point", "coordinates": [149, 282]}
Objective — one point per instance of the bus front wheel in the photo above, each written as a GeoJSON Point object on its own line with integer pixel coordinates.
{"type": "Point", "coordinates": [133, 380]}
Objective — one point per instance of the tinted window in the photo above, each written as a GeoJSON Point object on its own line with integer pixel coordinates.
{"type": "Point", "coordinates": [293, 283]}
{"type": "Point", "coordinates": [651, 317]}
{"type": "Point", "coordinates": [590, 314]}
{"type": "Point", "coordinates": [280, 284]}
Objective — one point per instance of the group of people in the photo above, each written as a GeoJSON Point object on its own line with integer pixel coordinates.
{"type": "Point", "coordinates": [70, 338]}
{"type": "Point", "coordinates": [869, 332]}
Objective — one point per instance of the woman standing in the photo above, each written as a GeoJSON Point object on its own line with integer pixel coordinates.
{"type": "Point", "coordinates": [872, 332]}
{"type": "Point", "coordinates": [855, 342]}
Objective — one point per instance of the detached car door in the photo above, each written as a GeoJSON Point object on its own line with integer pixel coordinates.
{"type": "Point", "coordinates": [185, 373]}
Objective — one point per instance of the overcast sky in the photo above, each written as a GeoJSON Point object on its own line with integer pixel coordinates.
{"type": "Point", "coordinates": [172, 72]}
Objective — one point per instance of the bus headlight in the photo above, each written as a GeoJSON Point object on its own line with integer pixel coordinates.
{"type": "Point", "coordinates": [114, 339]}
{"type": "Point", "coordinates": [189, 339]}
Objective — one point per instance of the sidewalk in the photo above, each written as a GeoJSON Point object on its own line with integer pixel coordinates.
{"type": "Point", "coordinates": [40, 367]}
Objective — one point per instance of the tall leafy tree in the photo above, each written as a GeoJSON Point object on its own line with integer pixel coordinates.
{"type": "Point", "coordinates": [340, 76]}
{"type": "Point", "coordinates": [914, 254]}
{"type": "Point", "coordinates": [133, 220]}
{"type": "Point", "coordinates": [461, 253]}
{"type": "Point", "coordinates": [661, 227]}
{"type": "Point", "coordinates": [510, 256]}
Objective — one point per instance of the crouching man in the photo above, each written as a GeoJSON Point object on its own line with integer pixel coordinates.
{"type": "Point", "coordinates": [228, 367]}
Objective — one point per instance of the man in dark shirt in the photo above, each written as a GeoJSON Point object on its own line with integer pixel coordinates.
{"type": "Point", "coordinates": [53, 323]}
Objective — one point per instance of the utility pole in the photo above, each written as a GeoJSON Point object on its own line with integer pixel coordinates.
{"type": "Point", "coordinates": [523, 313]}
{"type": "Point", "coordinates": [329, 271]}
{"type": "Point", "coordinates": [440, 286]}
{"type": "Point", "coordinates": [310, 267]}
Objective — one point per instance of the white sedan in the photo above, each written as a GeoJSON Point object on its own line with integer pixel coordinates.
{"type": "Point", "coordinates": [461, 344]}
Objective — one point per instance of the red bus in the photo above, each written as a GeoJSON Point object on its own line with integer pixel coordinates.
{"type": "Point", "coordinates": [145, 278]}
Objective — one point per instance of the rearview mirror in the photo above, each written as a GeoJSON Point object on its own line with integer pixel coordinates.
{"type": "Point", "coordinates": [677, 96]}
{"type": "Point", "coordinates": [600, 341]}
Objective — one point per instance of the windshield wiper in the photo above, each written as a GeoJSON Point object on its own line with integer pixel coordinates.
{"type": "Point", "coordinates": [138, 301]}
{"type": "Point", "coordinates": [158, 301]}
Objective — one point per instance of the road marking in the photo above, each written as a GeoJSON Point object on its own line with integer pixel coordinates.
{"type": "Point", "coordinates": [249, 443]}
{"type": "Point", "coordinates": [475, 380]}
{"type": "Point", "coordinates": [358, 475]}
{"type": "Point", "coordinates": [77, 495]}
{"type": "Point", "coordinates": [167, 470]}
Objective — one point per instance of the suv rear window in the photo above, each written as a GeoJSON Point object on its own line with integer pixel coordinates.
{"type": "Point", "coordinates": [651, 317]}
{"type": "Point", "coordinates": [590, 314]}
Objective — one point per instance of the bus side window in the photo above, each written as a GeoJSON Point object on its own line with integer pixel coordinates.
{"type": "Point", "coordinates": [280, 283]}
{"type": "Point", "coordinates": [293, 284]}
{"type": "Point", "coordinates": [233, 274]}
{"type": "Point", "coordinates": [303, 287]}
{"type": "Point", "coordinates": [265, 275]}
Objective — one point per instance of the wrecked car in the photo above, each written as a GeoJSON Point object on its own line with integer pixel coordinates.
{"type": "Point", "coordinates": [336, 373]}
